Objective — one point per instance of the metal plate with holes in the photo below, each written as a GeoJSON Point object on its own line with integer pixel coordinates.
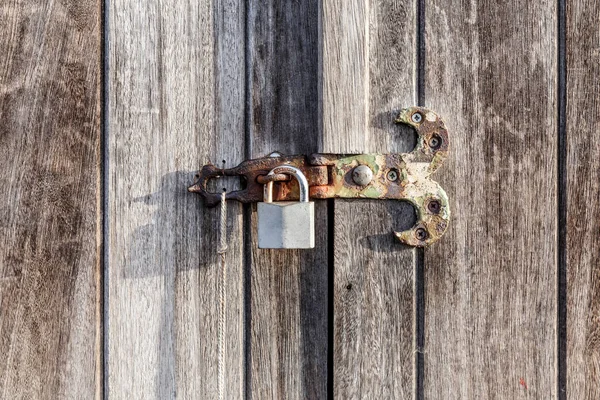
{"type": "Point", "coordinates": [403, 176]}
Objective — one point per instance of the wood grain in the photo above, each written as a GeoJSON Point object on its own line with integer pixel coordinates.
{"type": "Point", "coordinates": [176, 102]}
{"type": "Point", "coordinates": [345, 79]}
{"type": "Point", "coordinates": [373, 302]}
{"type": "Point", "coordinates": [50, 332]}
{"type": "Point", "coordinates": [490, 323]}
{"type": "Point", "coordinates": [368, 67]}
{"type": "Point", "coordinates": [289, 288]}
{"type": "Point", "coordinates": [583, 200]}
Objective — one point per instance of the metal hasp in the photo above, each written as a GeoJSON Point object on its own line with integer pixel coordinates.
{"type": "Point", "coordinates": [402, 176]}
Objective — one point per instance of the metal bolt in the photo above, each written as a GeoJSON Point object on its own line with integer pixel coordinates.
{"type": "Point", "coordinates": [392, 175]}
{"type": "Point", "coordinates": [435, 142]}
{"type": "Point", "coordinates": [421, 234]}
{"type": "Point", "coordinates": [362, 175]}
{"type": "Point", "coordinates": [417, 117]}
{"type": "Point", "coordinates": [434, 206]}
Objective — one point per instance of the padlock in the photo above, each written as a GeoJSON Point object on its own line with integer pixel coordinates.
{"type": "Point", "coordinates": [286, 224]}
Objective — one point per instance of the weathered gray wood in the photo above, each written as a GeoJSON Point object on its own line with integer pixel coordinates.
{"type": "Point", "coordinates": [368, 74]}
{"type": "Point", "coordinates": [490, 320]}
{"type": "Point", "coordinates": [288, 316]}
{"type": "Point", "coordinates": [345, 75]}
{"type": "Point", "coordinates": [373, 302]}
{"type": "Point", "coordinates": [176, 102]}
{"type": "Point", "coordinates": [50, 328]}
{"type": "Point", "coordinates": [583, 199]}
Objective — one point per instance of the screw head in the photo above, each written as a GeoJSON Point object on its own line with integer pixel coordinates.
{"type": "Point", "coordinates": [434, 206]}
{"type": "Point", "coordinates": [417, 117]}
{"type": "Point", "coordinates": [362, 175]}
{"type": "Point", "coordinates": [435, 142]}
{"type": "Point", "coordinates": [421, 234]}
{"type": "Point", "coordinates": [392, 175]}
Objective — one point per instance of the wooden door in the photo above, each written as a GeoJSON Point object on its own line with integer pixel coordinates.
{"type": "Point", "coordinates": [110, 281]}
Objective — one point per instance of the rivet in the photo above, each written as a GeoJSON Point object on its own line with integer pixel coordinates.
{"type": "Point", "coordinates": [417, 117]}
{"type": "Point", "coordinates": [362, 175]}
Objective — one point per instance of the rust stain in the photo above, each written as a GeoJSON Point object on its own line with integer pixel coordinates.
{"type": "Point", "coordinates": [523, 383]}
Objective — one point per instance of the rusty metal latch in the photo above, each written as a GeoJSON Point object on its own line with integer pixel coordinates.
{"type": "Point", "coordinates": [402, 176]}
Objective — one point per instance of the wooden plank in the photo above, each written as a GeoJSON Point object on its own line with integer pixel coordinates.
{"type": "Point", "coordinates": [176, 102]}
{"type": "Point", "coordinates": [345, 75]}
{"type": "Point", "coordinates": [373, 302]}
{"type": "Point", "coordinates": [583, 200]}
{"type": "Point", "coordinates": [289, 288]}
{"type": "Point", "coordinates": [490, 322]}
{"type": "Point", "coordinates": [50, 327]}
{"type": "Point", "coordinates": [368, 67]}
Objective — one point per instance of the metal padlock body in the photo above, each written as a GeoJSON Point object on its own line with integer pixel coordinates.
{"type": "Point", "coordinates": [286, 224]}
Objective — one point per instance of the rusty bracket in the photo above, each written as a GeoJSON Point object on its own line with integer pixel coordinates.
{"type": "Point", "coordinates": [402, 176]}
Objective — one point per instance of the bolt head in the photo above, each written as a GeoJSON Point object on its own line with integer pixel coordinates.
{"type": "Point", "coordinates": [362, 175]}
{"type": "Point", "coordinates": [417, 117]}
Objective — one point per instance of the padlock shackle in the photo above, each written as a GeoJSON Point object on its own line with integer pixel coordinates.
{"type": "Point", "coordinates": [288, 170]}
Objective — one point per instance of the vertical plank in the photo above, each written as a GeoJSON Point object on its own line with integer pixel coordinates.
{"type": "Point", "coordinates": [490, 323]}
{"type": "Point", "coordinates": [288, 292]}
{"type": "Point", "coordinates": [583, 200]}
{"type": "Point", "coordinates": [176, 102]}
{"type": "Point", "coordinates": [345, 75]}
{"type": "Point", "coordinates": [50, 328]}
{"type": "Point", "coordinates": [368, 74]}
